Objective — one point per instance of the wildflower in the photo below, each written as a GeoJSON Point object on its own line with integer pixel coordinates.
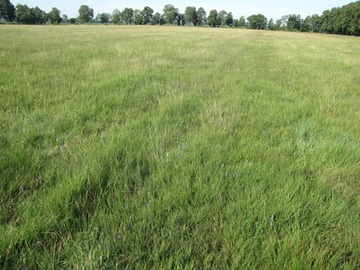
{"type": "Point", "coordinates": [22, 188]}
{"type": "Point", "coordinates": [148, 204]}
{"type": "Point", "coordinates": [118, 237]}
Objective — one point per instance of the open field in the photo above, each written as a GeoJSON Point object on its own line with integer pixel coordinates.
{"type": "Point", "coordinates": [185, 148]}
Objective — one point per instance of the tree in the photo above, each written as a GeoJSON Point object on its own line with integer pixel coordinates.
{"type": "Point", "coordinates": [116, 16]}
{"type": "Point", "coordinates": [180, 19]}
{"type": "Point", "coordinates": [23, 13]}
{"type": "Point", "coordinates": [242, 22]}
{"type": "Point", "coordinates": [86, 14]}
{"type": "Point", "coordinates": [344, 20]}
{"type": "Point", "coordinates": [258, 21]}
{"type": "Point", "coordinates": [229, 21]}
{"type": "Point", "coordinates": [352, 22]}
{"type": "Point", "coordinates": [271, 24]}
{"type": "Point", "coordinates": [104, 18]}
{"type": "Point", "coordinates": [54, 16]}
{"type": "Point", "coordinates": [281, 24]}
{"type": "Point", "coordinates": [155, 20]}
{"type": "Point", "coordinates": [162, 19]}
{"type": "Point", "coordinates": [170, 13]}
{"type": "Point", "coordinates": [137, 17]}
{"type": "Point", "coordinates": [306, 25]}
{"type": "Point", "coordinates": [128, 15]}
{"type": "Point", "coordinates": [38, 16]}
{"type": "Point", "coordinates": [28, 15]}
{"type": "Point", "coordinates": [293, 22]}
{"type": "Point", "coordinates": [278, 24]}
{"type": "Point", "coordinates": [326, 22]}
{"type": "Point", "coordinates": [146, 15]}
{"type": "Point", "coordinates": [65, 18]}
{"type": "Point", "coordinates": [222, 17]}
{"type": "Point", "coordinates": [7, 11]}
{"type": "Point", "coordinates": [315, 22]}
{"type": "Point", "coordinates": [191, 15]}
{"type": "Point", "coordinates": [213, 19]}
{"type": "Point", "coordinates": [201, 16]}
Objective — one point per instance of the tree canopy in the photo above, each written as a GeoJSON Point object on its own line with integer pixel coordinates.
{"type": "Point", "coordinates": [146, 15]}
{"type": "Point", "coordinates": [86, 14]}
{"type": "Point", "coordinates": [27, 15]}
{"type": "Point", "coordinates": [7, 11]}
{"type": "Point", "coordinates": [54, 16]}
{"type": "Point", "coordinates": [343, 20]}
{"type": "Point", "coordinates": [191, 15]}
{"type": "Point", "coordinates": [213, 18]}
{"type": "Point", "coordinates": [257, 21]}
{"type": "Point", "coordinates": [170, 13]}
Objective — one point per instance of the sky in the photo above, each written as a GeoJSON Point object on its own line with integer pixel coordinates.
{"type": "Point", "coordinates": [271, 9]}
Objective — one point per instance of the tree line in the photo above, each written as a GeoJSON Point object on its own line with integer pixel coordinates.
{"type": "Point", "coordinates": [341, 20]}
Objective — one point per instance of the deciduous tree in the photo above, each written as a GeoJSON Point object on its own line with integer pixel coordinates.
{"type": "Point", "coordinates": [257, 21]}
{"type": "Point", "coordinates": [137, 17]}
{"type": "Point", "coordinates": [191, 15]}
{"type": "Point", "coordinates": [65, 18]}
{"type": "Point", "coordinates": [213, 19]}
{"type": "Point", "coordinates": [86, 14]}
{"type": "Point", "coordinates": [222, 15]}
{"type": "Point", "coordinates": [170, 13]}
{"type": "Point", "coordinates": [28, 15]}
{"type": "Point", "coordinates": [201, 16]}
{"type": "Point", "coordinates": [242, 22]}
{"type": "Point", "coordinates": [116, 16]}
{"type": "Point", "coordinates": [180, 19]}
{"type": "Point", "coordinates": [23, 14]}
{"type": "Point", "coordinates": [229, 21]}
{"type": "Point", "coordinates": [155, 20]}
{"type": "Point", "coordinates": [271, 24]}
{"type": "Point", "coordinates": [7, 11]}
{"type": "Point", "coordinates": [293, 22]}
{"type": "Point", "coordinates": [146, 15]}
{"type": "Point", "coordinates": [38, 16]}
{"type": "Point", "coordinates": [105, 18]}
{"type": "Point", "coordinates": [128, 15]}
{"type": "Point", "coordinates": [344, 20]}
{"type": "Point", "coordinates": [315, 23]}
{"type": "Point", "coordinates": [54, 16]}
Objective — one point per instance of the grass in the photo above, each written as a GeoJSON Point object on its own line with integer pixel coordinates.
{"type": "Point", "coordinates": [185, 148]}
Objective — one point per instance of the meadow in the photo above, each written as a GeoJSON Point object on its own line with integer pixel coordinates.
{"type": "Point", "coordinates": [178, 148]}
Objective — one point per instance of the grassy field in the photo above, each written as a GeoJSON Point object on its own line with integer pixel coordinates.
{"type": "Point", "coordinates": [181, 148]}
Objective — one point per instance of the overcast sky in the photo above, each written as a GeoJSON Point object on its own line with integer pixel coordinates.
{"type": "Point", "coordinates": [271, 9]}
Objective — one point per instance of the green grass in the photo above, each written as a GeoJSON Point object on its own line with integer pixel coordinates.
{"type": "Point", "coordinates": [183, 148]}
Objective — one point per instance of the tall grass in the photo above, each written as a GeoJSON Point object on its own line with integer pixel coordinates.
{"type": "Point", "coordinates": [166, 147]}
